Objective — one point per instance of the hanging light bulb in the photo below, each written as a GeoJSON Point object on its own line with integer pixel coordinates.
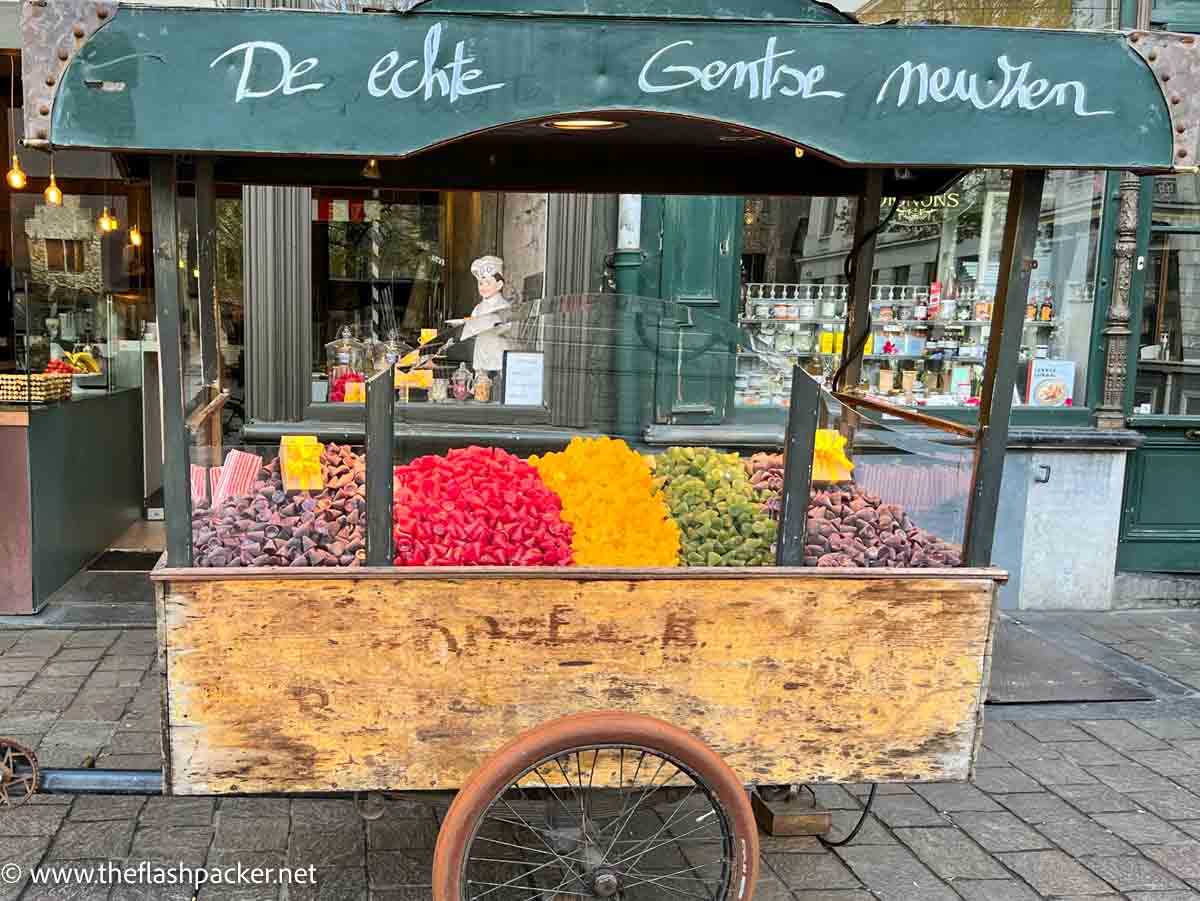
{"type": "Point", "coordinates": [371, 170]}
{"type": "Point", "coordinates": [16, 175]}
{"type": "Point", "coordinates": [196, 272]}
{"type": "Point", "coordinates": [108, 222]}
{"type": "Point", "coordinates": [135, 236]}
{"type": "Point", "coordinates": [53, 193]}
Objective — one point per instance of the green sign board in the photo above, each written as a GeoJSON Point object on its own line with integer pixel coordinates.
{"type": "Point", "coordinates": [388, 85]}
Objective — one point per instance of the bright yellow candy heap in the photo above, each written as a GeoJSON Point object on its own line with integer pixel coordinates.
{"type": "Point", "coordinates": [609, 498]}
{"type": "Point", "coordinates": [300, 459]}
{"type": "Point", "coordinates": [830, 463]}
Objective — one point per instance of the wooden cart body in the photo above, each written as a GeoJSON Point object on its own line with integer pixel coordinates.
{"type": "Point", "coordinates": [410, 680]}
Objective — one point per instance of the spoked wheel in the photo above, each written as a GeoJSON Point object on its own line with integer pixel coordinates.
{"type": "Point", "coordinates": [599, 805]}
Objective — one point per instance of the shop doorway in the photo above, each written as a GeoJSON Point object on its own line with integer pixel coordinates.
{"type": "Point", "coordinates": [1161, 521]}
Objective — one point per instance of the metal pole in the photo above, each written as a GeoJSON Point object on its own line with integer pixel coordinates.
{"type": "Point", "coordinates": [1110, 412]}
{"type": "Point", "coordinates": [381, 407]}
{"type": "Point", "coordinates": [1008, 315]}
{"type": "Point", "coordinates": [176, 482]}
{"type": "Point", "coordinates": [797, 468]}
{"type": "Point", "coordinates": [102, 782]}
{"type": "Point", "coordinates": [627, 261]}
{"type": "Point", "coordinates": [866, 219]}
{"type": "Point", "coordinates": [206, 247]}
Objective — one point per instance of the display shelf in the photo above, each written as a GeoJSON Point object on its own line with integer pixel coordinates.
{"type": "Point", "coordinates": [840, 320]}
{"type": "Point", "coordinates": [930, 355]}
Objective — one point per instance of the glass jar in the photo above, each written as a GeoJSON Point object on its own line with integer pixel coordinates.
{"type": "Point", "coordinates": [461, 382]}
{"type": "Point", "coordinates": [806, 309]}
{"type": "Point", "coordinates": [482, 388]}
{"type": "Point", "coordinates": [437, 391]}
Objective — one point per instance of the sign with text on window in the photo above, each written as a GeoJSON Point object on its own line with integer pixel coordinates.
{"type": "Point", "coordinates": [524, 375]}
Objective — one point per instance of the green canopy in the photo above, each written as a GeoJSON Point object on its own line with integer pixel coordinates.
{"type": "Point", "coordinates": [695, 100]}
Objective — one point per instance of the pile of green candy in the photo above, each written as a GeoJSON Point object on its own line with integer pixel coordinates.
{"type": "Point", "coordinates": [719, 513]}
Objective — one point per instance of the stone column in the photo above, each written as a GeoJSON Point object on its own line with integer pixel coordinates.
{"type": "Point", "coordinates": [1110, 412]}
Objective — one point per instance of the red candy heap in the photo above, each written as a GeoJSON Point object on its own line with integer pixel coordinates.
{"type": "Point", "coordinates": [477, 506]}
{"type": "Point", "coordinates": [337, 393]}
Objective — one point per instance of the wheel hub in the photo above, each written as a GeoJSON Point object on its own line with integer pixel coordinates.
{"type": "Point", "coordinates": [605, 883]}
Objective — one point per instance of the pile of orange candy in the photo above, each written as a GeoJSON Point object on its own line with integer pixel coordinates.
{"type": "Point", "coordinates": [609, 497]}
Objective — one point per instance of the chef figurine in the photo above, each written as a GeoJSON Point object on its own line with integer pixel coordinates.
{"type": "Point", "coordinates": [488, 322]}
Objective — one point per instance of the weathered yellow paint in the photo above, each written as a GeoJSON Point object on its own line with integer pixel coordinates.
{"type": "Point", "coordinates": [293, 685]}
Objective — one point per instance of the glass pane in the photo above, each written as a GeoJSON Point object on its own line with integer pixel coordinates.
{"type": "Point", "coordinates": [936, 272]}
{"type": "Point", "coordinates": [1075, 14]}
{"type": "Point", "coordinates": [1176, 200]}
{"type": "Point", "coordinates": [1168, 366]}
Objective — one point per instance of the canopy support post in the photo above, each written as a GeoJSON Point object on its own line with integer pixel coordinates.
{"type": "Point", "coordinates": [206, 252]}
{"type": "Point", "coordinates": [866, 235]}
{"type": "Point", "coordinates": [798, 449]}
{"type": "Point", "coordinates": [1008, 314]}
{"type": "Point", "coordinates": [177, 491]}
{"type": "Point", "coordinates": [381, 407]}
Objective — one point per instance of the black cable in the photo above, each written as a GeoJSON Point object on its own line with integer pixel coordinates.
{"type": "Point", "coordinates": [848, 269]}
{"type": "Point", "coordinates": [857, 826]}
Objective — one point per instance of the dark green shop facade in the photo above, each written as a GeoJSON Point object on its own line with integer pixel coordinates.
{"type": "Point", "coordinates": [1104, 426]}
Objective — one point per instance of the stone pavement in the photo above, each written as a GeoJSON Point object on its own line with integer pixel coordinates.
{"type": "Point", "coordinates": [1066, 808]}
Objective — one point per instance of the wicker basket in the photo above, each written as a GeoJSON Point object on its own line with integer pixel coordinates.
{"type": "Point", "coordinates": [37, 387]}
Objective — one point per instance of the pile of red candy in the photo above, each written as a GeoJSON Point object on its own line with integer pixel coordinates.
{"type": "Point", "coordinates": [337, 392]}
{"type": "Point", "coordinates": [61, 366]}
{"type": "Point", "coordinates": [477, 507]}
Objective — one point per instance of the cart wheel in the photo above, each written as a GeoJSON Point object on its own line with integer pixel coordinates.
{"type": "Point", "coordinates": [19, 773]}
{"type": "Point", "coordinates": [599, 805]}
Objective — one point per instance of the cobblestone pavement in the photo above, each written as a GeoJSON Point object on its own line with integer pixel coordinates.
{"type": "Point", "coordinates": [1094, 808]}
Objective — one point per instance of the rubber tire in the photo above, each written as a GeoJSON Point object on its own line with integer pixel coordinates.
{"type": "Point", "coordinates": [581, 730]}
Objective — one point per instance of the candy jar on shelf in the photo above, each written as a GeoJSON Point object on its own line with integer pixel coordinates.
{"type": "Point", "coordinates": [461, 382]}
{"type": "Point", "coordinates": [344, 355]}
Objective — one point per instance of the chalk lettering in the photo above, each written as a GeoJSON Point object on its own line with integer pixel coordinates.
{"type": "Point", "coordinates": [940, 85]}
{"type": "Point", "coordinates": [449, 80]}
{"type": "Point", "coordinates": [287, 77]}
{"type": "Point", "coordinates": [761, 77]}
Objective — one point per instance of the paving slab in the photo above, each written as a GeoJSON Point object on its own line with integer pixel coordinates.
{"type": "Point", "coordinates": [1053, 730]}
{"type": "Point", "coordinates": [1054, 873]}
{"type": "Point", "coordinates": [395, 869]}
{"type": "Point", "coordinates": [1168, 763]}
{"type": "Point", "coordinates": [906, 810]}
{"type": "Point", "coordinates": [1122, 735]}
{"type": "Point", "coordinates": [1000, 831]}
{"type": "Point", "coordinates": [258, 834]}
{"type": "Point", "coordinates": [995, 890]}
{"type": "Point", "coordinates": [1083, 836]}
{"type": "Point", "coordinates": [1038, 808]}
{"type": "Point", "coordinates": [1164, 896]}
{"type": "Point", "coordinates": [86, 841]}
{"type": "Point", "coordinates": [1095, 798]}
{"type": "Point", "coordinates": [950, 853]}
{"type": "Point", "coordinates": [1005, 779]}
{"type": "Point", "coordinates": [173, 844]}
{"type": "Point", "coordinates": [1141, 828]}
{"type": "Point", "coordinates": [1056, 772]}
{"type": "Point", "coordinates": [333, 884]}
{"type": "Point", "coordinates": [953, 796]}
{"type": "Point", "coordinates": [812, 871]}
{"type": "Point", "coordinates": [1181, 859]}
{"type": "Point", "coordinates": [326, 847]}
{"type": "Point", "coordinates": [97, 808]}
{"type": "Point", "coordinates": [1178, 804]}
{"type": "Point", "coordinates": [1133, 874]}
{"type": "Point", "coordinates": [1130, 778]}
{"type": "Point", "coordinates": [893, 873]}
{"type": "Point", "coordinates": [1091, 753]}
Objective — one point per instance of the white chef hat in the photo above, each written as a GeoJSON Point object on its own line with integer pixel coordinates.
{"type": "Point", "coordinates": [488, 266]}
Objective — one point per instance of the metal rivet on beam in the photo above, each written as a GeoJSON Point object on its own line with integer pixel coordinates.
{"type": "Point", "coordinates": [78, 30]}
{"type": "Point", "coordinates": [64, 54]}
{"type": "Point", "coordinates": [1175, 100]}
{"type": "Point", "coordinates": [1166, 76]}
{"type": "Point", "coordinates": [1133, 38]}
{"type": "Point", "coordinates": [1180, 129]}
{"type": "Point", "coordinates": [103, 11]}
{"type": "Point", "coordinates": [51, 81]}
{"type": "Point", "coordinates": [44, 109]}
{"type": "Point", "coordinates": [1152, 56]}
{"type": "Point", "coordinates": [1182, 153]}
{"type": "Point", "coordinates": [1188, 39]}
{"type": "Point", "coordinates": [42, 134]}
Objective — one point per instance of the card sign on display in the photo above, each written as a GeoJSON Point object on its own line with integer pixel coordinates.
{"type": "Point", "coordinates": [524, 375]}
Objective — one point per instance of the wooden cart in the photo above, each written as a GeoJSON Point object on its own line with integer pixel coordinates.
{"type": "Point", "coordinates": [533, 693]}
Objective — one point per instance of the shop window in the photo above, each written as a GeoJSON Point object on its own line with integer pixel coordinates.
{"type": "Point", "coordinates": [1103, 14]}
{"type": "Point", "coordinates": [933, 292]}
{"type": "Point", "coordinates": [393, 268]}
